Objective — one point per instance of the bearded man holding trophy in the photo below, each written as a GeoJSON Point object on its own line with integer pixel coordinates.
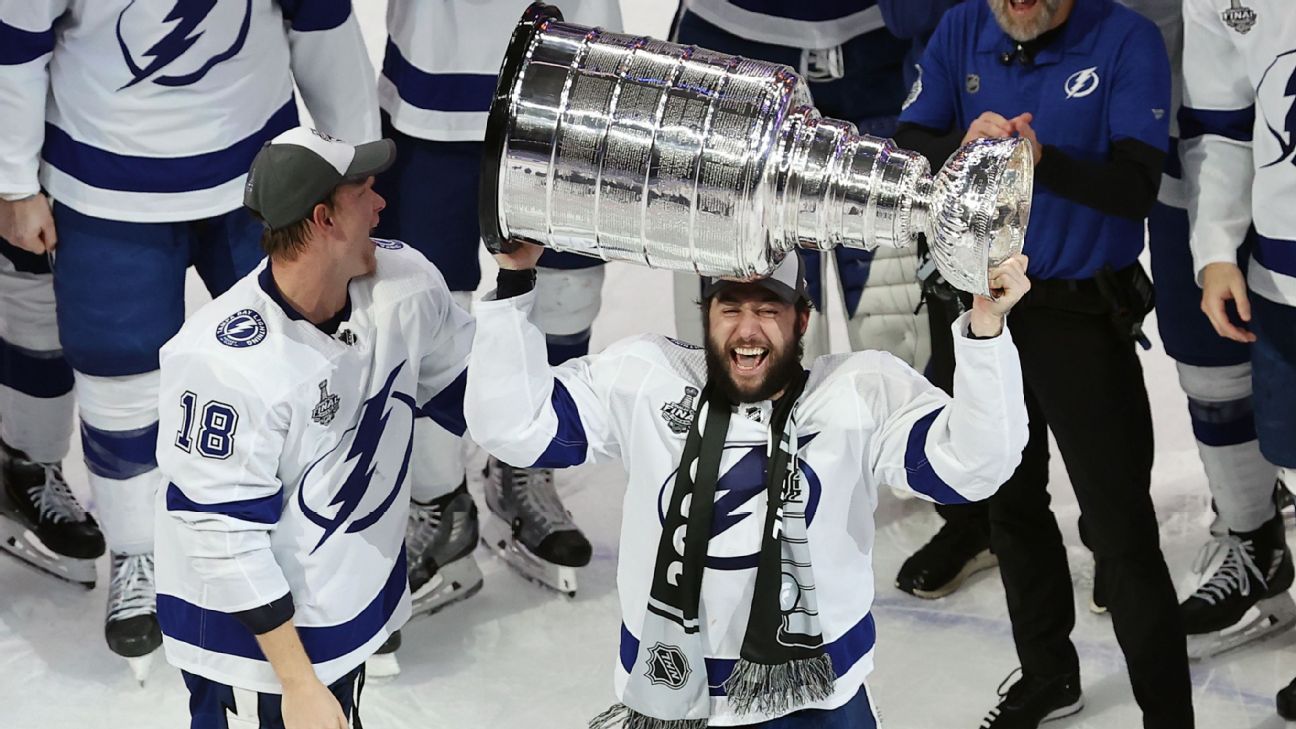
{"type": "Point", "coordinates": [627, 148]}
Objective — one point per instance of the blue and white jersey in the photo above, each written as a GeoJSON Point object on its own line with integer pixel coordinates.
{"type": "Point", "coordinates": [1239, 137]}
{"type": "Point", "coordinates": [286, 453]}
{"type": "Point", "coordinates": [442, 59]}
{"type": "Point", "coordinates": [818, 24]}
{"type": "Point", "coordinates": [1107, 79]}
{"type": "Point", "coordinates": [865, 420]}
{"type": "Point", "coordinates": [156, 107]}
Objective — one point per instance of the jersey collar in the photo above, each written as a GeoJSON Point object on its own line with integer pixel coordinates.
{"type": "Point", "coordinates": [268, 285]}
{"type": "Point", "coordinates": [1078, 33]}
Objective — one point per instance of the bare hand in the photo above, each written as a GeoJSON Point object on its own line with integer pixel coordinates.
{"type": "Point", "coordinates": [28, 224]}
{"type": "Point", "coordinates": [988, 125]}
{"type": "Point", "coordinates": [1021, 125]}
{"type": "Point", "coordinates": [523, 259]}
{"type": "Point", "coordinates": [1220, 283]}
{"type": "Point", "coordinates": [310, 705]}
{"type": "Point", "coordinates": [1009, 283]}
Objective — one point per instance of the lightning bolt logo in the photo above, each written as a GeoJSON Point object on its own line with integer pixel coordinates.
{"type": "Point", "coordinates": [366, 437]}
{"type": "Point", "coordinates": [1082, 83]}
{"type": "Point", "coordinates": [1286, 136]}
{"type": "Point", "coordinates": [187, 15]}
{"type": "Point", "coordinates": [243, 328]}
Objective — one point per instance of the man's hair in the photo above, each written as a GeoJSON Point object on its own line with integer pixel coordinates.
{"type": "Point", "coordinates": [288, 242]}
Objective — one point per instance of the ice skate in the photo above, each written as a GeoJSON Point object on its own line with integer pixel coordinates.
{"type": "Point", "coordinates": [439, 541]}
{"type": "Point", "coordinates": [1285, 501]}
{"type": "Point", "coordinates": [382, 665]}
{"type": "Point", "coordinates": [41, 522]}
{"type": "Point", "coordinates": [530, 528]}
{"type": "Point", "coordinates": [131, 627]}
{"type": "Point", "coordinates": [1246, 598]}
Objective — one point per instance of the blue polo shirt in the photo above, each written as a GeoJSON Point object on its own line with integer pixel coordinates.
{"type": "Point", "coordinates": [1106, 79]}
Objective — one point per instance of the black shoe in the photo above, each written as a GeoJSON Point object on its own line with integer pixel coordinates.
{"type": "Point", "coordinates": [1287, 702]}
{"type": "Point", "coordinates": [943, 564]}
{"type": "Point", "coordinates": [1031, 701]}
{"type": "Point", "coordinates": [390, 645]}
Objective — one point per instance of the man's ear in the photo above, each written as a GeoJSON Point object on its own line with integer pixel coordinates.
{"type": "Point", "coordinates": [803, 321]}
{"type": "Point", "coordinates": [321, 216]}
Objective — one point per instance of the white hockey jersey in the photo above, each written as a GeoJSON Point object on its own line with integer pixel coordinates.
{"type": "Point", "coordinates": [286, 453]}
{"type": "Point", "coordinates": [864, 420]}
{"type": "Point", "coordinates": [156, 107]}
{"type": "Point", "coordinates": [442, 59]}
{"type": "Point", "coordinates": [818, 24]}
{"type": "Point", "coordinates": [1239, 137]}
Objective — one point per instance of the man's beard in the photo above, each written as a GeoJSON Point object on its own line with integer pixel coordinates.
{"type": "Point", "coordinates": [780, 367]}
{"type": "Point", "coordinates": [1029, 29]}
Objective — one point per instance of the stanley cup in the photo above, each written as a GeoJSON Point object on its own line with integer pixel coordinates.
{"type": "Point", "coordinates": [632, 149]}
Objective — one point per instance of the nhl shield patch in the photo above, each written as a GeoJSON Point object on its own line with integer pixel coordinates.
{"type": "Point", "coordinates": [667, 666]}
{"type": "Point", "coordinates": [243, 328]}
{"type": "Point", "coordinates": [679, 415]}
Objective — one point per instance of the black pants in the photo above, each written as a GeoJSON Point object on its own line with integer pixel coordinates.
{"type": "Point", "coordinates": [1084, 382]}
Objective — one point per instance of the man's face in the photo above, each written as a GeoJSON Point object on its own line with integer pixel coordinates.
{"type": "Point", "coordinates": [1025, 20]}
{"type": "Point", "coordinates": [753, 342]}
{"type": "Point", "coordinates": [355, 211]}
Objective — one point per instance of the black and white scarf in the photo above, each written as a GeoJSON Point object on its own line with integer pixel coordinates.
{"type": "Point", "coordinates": [783, 664]}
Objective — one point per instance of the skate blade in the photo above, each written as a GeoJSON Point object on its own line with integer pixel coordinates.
{"type": "Point", "coordinates": [22, 543]}
{"type": "Point", "coordinates": [382, 667]}
{"type": "Point", "coordinates": [1272, 616]}
{"type": "Point", "coordinates": [498, 537]}
{"type": "Point", "coordinates": [455, 582]}
{"type": "Point", "coordinates": [140, 667]}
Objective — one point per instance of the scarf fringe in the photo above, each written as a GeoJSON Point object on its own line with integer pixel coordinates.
{"type": "Point", "coordinates": [620, 716]}
{"type": "Point", "coordinates": [779, 688]}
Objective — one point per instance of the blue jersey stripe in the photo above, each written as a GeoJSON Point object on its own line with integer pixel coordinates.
{"type": "Point", "coordinates": [438, 91]}
{"type": "Point", "coordinates": [815, 12]}
{"type": "Point", "coordinates": [35, 374]}
{"type": "Point", "coordinates": [446, 407]}
{"type": "Point", "coordinates": [264, 510]}
{"type": "Point", "coordinates": [220, 632]}
{"type": "Point", "coordinates": [20, 46]}
{"type": "Point", "coordinates": [569, 444]}
{"type": "Point", "coordinates": [119, 454]}
{"type": "Point", "coordinates": [845, 652]}
{"type": "Point", "coordinates": [1235, 124]}
{"type": "Point", "coordinates": [128, 173]}
{"type": "Point", "coordinates": [1275, 254]}
{"type": "Point", "coordinates": [310, 15]}
{"type": "Point", "coordinates": [922, 477]}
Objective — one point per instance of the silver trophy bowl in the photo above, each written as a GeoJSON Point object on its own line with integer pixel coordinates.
{"type": "Point", "coordinates": [628, 148]}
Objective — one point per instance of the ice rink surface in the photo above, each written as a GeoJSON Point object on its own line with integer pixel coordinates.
{"type": "Point", "coordinates": [519, 656]}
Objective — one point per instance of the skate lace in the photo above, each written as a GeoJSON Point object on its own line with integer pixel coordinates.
{"type": "Point", "coordinates": [535, 492]}
{"type": "Point", "coordinates": [993, 715]}
{"type": "Point", "coordinates": [53, 499]}
{"type": "Point", "coordinates": [424, 521]}
{"type": "Point", "coordinates": [1234, 574]}
{"type": "Point", "coordinates": [131, 592]}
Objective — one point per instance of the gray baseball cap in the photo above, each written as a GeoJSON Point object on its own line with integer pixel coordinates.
{"type": "Point", "coordinates": [298, 169]}
{"type": "Point", "coordinates": [787, 281]}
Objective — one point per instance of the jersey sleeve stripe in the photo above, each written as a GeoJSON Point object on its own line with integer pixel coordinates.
{"type": "Point", "coordinates": [127, 173]}
{"type": "Point", "coordinates": [263, 510]}
{"type": "Point", "coordinates": [221, 632]}
{"type": "Point", "coordinates": [455, 92]}
{"type": "Point", "coordinates": [446, 407]}
{"type": "Point", "coordinates": [1276, 255]}
{"type": "Point", "coordinates": [569, 445]}
{"type": "Point", "coordinates": [18, 46]}
{"type": "Point", "coordinates": [921, 475]}
{"type": "Point", "coordinates": [311, 15]}
{"type": "Point", "coordinates": [120, 454]}
{"type": "Point", "coordinates": [1235, 124]}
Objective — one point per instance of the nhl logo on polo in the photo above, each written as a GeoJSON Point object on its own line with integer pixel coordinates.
{"type": "Point", "coordinates": [243, 328]}
{"type": "Point", "coordinates": [1239, 17]}
{"type": "Point", "coordinates": [327, 407]}
{"type": "Point", "coordinates": [667, 666]}
{"type": "Point", "coordinates": [679, 415]}
{"type": "Point", "coordinates": [972, 83]}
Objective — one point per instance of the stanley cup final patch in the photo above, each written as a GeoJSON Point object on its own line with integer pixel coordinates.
{"type": "Point", "coordinates": [1239, 17]}
{"type": "Point", "coordinates": [667, 666]}
{"type": "Point", "coordinates": [327, 406]}
{"type": "Point", "coordinates": [679, 415]}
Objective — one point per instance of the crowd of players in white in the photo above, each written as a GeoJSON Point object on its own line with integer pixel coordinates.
{"type": "Point", "coordinates": [135, 117]}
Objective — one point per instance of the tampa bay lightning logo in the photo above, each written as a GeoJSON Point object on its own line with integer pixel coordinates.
{"type": "Point", "coordinates": [243, 328]}
{"type": "Point", "coordinates": [391, 245]}
{"type": "Point", "coordinates": [1276, 96]}
{"type": "Point", "coordinates": [739, 492]}
{"type": "Point", "coordinates": [181, 47]}
{"type": "Point", "coordinates": [1082, 83]}
{"type": "Point", "coordinates": [382, 438]}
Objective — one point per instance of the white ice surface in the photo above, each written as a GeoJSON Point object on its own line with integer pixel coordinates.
{"type": "Point", "coordinates": [518, 656]}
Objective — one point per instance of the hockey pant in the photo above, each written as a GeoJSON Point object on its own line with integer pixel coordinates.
{"type": "Point", "coordinates": [121, 295]}
{"type": "Point", "coordinates": [431, 194]}
{"type": "Point", "coordinates": [35, 380]}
